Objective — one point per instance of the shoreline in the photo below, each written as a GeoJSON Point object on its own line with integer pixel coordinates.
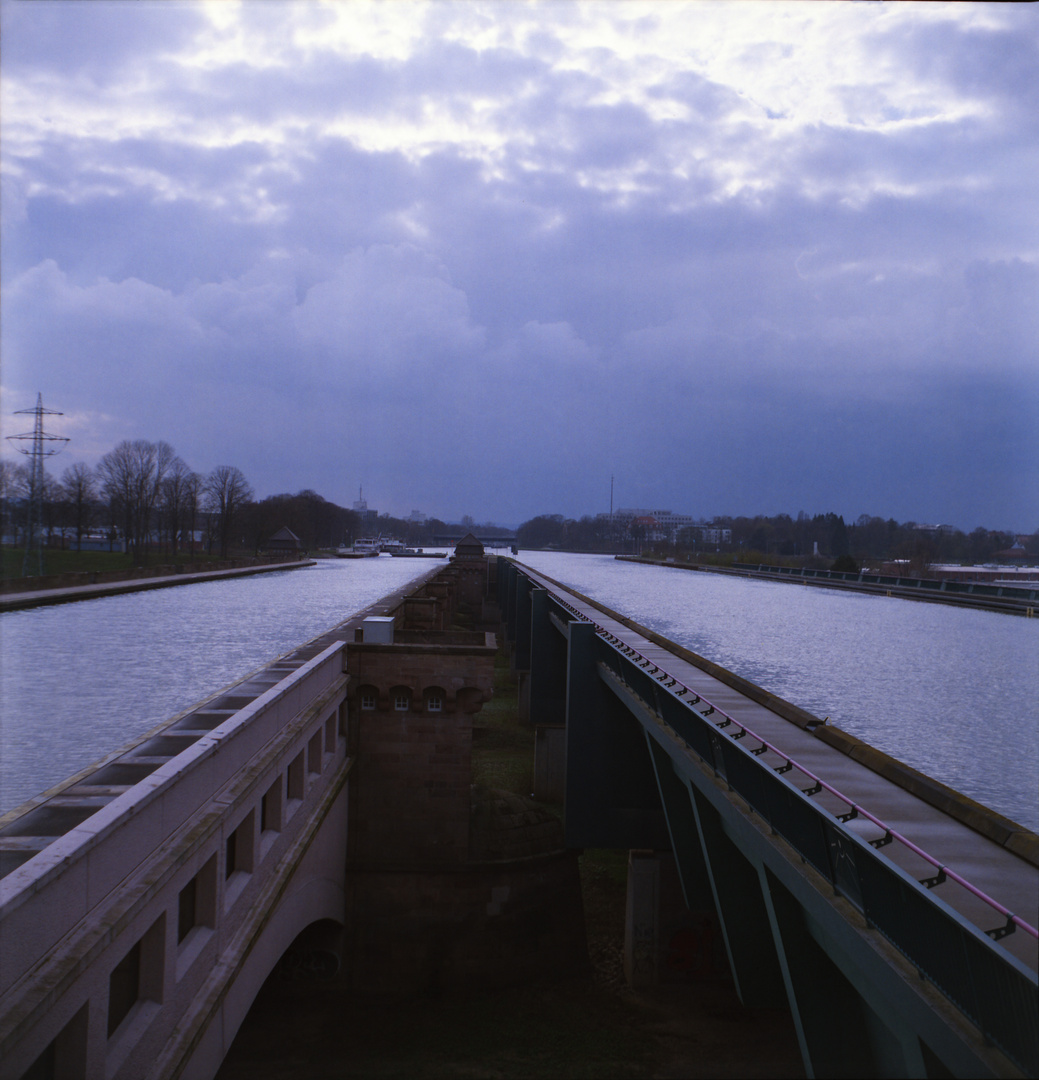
{"type": "Point", "coordinates": [30, 598]}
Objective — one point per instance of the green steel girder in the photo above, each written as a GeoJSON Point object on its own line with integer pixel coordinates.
{"type": "Point", "coordinates": [786, 879]}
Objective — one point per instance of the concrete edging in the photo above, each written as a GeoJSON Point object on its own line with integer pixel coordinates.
{"type": "Point", "coordinates": [71, 593]}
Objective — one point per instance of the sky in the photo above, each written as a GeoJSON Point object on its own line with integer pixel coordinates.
{"type": "Point", "coordinates": [743, 258]}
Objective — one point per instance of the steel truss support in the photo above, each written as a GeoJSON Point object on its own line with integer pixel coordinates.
{"type": "Point", "coordinates": [548, 652]}
{"type": "Point", "coordinates": [792, 935]}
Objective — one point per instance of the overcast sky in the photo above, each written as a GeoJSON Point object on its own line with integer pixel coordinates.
{"type": "Point", "coordinates": [479, 257]}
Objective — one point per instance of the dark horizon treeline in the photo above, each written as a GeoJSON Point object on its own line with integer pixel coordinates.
{"type": "Point", "coordinates": [824, 537]}
{"type": "Point", "coordinates": [145, 494]}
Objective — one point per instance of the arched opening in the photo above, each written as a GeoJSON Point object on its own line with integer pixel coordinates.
{"type": "Point", "coordinates": [434, 699]}
{"type": "Point", "coordinates": [366, 698]}
{"type": "Point", "coordinates": [315, 954]}
{"type": "Point", "coordinates": [401, 698]}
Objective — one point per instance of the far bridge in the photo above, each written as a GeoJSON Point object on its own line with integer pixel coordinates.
{"type": "Point", "coordinates": [450, 539]}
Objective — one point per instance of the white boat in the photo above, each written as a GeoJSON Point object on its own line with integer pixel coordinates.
{"type": "Point", "coordinates": [366, 546]}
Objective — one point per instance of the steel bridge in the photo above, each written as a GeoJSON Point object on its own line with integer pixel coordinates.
{"type": "Point", "coordinates": [889, 913]}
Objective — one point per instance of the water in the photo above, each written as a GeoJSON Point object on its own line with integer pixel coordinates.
{"type": "Point", "coordinates": [951, 691]}
{"type": "Point", "coordinates": [78, 681]}
{"type": "Point", "coordinates": [954, 692]}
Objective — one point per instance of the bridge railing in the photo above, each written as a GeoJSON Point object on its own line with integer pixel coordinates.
{"type": "Point", "coordinates": [120, 938]}
{"type": "Point", "coordinates": [972, 588]}
{"type": "Point", "coordinates": [993, 989]}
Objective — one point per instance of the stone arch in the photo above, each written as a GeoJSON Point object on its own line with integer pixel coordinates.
{"type": "Point", "coordinates": [315, 954]}
{"type": "Point", "coordinates": [313, 901]}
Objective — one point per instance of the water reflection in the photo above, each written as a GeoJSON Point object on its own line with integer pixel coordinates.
{"type": "Point", "coordinates": [80, 680]}
{"type": "Point", "coordinates": [951, 691]}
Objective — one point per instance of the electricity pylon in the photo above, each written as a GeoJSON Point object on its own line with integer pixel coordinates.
{"type": "Point", "coordinates": [41, 448]}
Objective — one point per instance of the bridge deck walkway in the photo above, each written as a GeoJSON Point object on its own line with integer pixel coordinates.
{"type": "Point", "coordinates": [999, 873]}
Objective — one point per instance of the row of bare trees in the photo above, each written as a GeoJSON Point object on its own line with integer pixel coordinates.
{"type": "Point", "coordinates": [140, 490]}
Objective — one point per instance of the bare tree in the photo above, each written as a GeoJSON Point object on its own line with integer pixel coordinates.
{"type": "Point", "coordinates": [7, 489]}
{"type": "Point", "coordinates": [132, 476]}
{"type": "Point", "coordinates": [174, 497]}
{"type": "Point", "coordinates": [193, 485]}
{"type": "Point", "coordinates": [22, 487]}
{"type": "Point", "coordinates": [227, 491]}
{"type": "Point", "coordinates": [80, 489]}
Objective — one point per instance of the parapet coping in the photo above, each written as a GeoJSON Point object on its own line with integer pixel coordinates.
{"type": "Point", "coordinates": [1003, 831]}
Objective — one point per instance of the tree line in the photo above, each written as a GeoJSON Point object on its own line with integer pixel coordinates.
{"type": "Point", "coordinates": [145, 494]}
{"type": "Point", "coordinates": [824, 537]}
{"type": "Point", "coordinates": [140, 492]}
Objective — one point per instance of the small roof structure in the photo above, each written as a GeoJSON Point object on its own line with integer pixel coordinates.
{"type": "Point", "coordinates": [468, 548]}
{"type": "Point", "coordinates": [284, 540]}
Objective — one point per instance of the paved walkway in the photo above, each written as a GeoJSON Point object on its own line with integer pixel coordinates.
{"type": "Point", "coordinates": [40, 597]}
{"type": "Point", "coordinates": [1002, 875]}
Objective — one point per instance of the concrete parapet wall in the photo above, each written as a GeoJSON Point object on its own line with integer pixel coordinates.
{"type": "Point", "coordinates": [112, 935]}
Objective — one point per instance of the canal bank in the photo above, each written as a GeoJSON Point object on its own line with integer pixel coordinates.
{"type": "Point", "coordinates": [66, 589]}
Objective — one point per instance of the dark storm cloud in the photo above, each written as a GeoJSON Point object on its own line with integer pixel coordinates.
{"type": "Point", "coordinates": [480, 262]}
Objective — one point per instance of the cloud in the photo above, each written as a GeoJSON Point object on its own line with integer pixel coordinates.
{"type": "Point", "coordinates": [479, 256]}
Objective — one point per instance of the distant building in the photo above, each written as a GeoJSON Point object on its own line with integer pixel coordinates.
{"type": "Point", "coordinates": [666, 525]}
{"type": "Point", "coordinates": [935, 529]}
{"type": "Point", "coordinates": [284, 542]}
{"type": "Point", "coordinates": [368, 517]}
{"type": "Point", "coordinates": [1014, 554]}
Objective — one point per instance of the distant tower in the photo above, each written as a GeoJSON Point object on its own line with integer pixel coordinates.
{"type": "Point", "coordinates": [361, 508]}
{"type": "Point", "coordinates": [37, 451]}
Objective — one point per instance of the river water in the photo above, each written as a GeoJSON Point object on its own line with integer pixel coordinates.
{"type": "Point", "coordinates": [954, 692]}
{"type": "Point", "coordinates": [951, 691]}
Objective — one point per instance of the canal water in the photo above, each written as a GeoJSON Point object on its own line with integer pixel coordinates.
{"type": "Point", "coordinates": [954, 692]}
{"type": "Point", "coordinates": [951, 691]}
{"type": "Point", "coordinates": [80, 680]}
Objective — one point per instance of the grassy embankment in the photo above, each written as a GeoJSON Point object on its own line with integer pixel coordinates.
{"type": "Point", "coordinates": [64, 562]}
{"type": "Point", "coordinates": [56, 561]}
